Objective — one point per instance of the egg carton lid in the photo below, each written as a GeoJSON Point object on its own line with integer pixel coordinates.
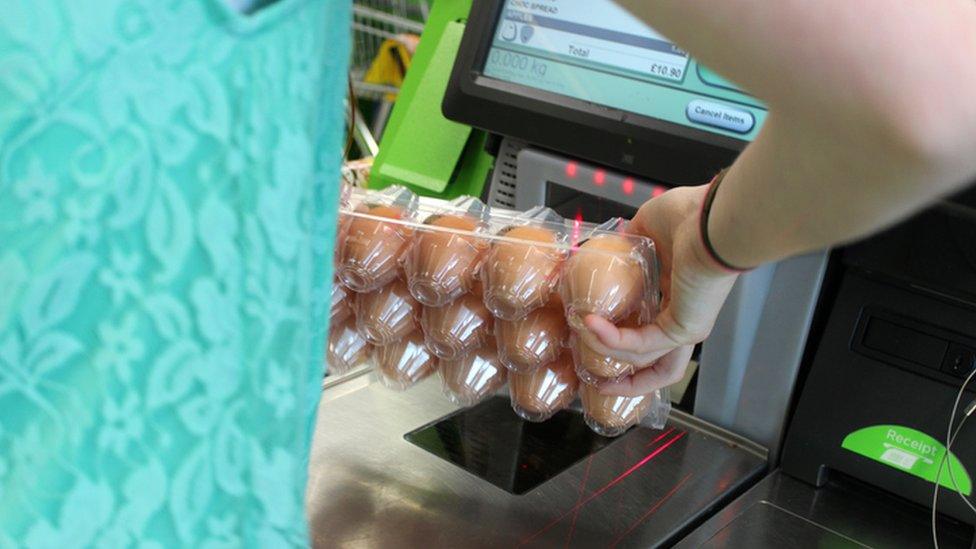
{"type": "Point", "coordinates": [570, 234]}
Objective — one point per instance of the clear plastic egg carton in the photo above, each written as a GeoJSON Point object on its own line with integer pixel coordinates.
{"type": "Point", "coordinates": [486, 297]}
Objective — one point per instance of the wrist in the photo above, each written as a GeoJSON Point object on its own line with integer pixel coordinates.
{"type": "Point", "coordinates": [698, 255]}
{"type": "Point", "coordinates": [710, 255]}
{"type": "Point", "coordinates": [689, 249]}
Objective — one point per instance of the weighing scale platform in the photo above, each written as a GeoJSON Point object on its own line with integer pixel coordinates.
{"type": "Point", "coordinates": [456, 483]}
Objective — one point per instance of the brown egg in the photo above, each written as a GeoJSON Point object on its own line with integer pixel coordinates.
{"type": "Point", "coordinates": [440, 265]}
{"type": "Point", "coordinates": [593, 367]}
{"type": "Point", "coordinates": [342, 234]}
{"type": "Point", "coordinates": [388, 314]}
{"type": "Point", "coordinates": [372, 249]}
{"type": "Point", "coordinates": [341, 307]}
{"type": "Point", "coordinates": [457, 328]}
{"type": "Point", "coordinates": [540, 393]}
{"type": "Point", "coordinates": [406, 362]}
{"type": "Point", "coordinates": [610, 415]}
{"type": "Point", "coordinates": [534, 341]}
{"type": "Point", "coordinates": [347, 349]}
{"type": "Point", "coordinates": [603, 277]}
{"type": "Point", "coordinates": [520, 276]}
{"type": "Point", "coordinates": [472, 378]}
{"type": "Point", "coordinates": [477, 289]}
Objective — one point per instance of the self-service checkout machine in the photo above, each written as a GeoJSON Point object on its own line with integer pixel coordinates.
{"type": "Point", "coordinates": [818, 413]}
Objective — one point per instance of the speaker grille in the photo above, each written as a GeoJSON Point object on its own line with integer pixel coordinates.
{"type": "Point", "coordinates": [503, 179]}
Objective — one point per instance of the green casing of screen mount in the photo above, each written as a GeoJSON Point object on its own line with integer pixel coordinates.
{"type": "Point", "coordinates": [421, 149]}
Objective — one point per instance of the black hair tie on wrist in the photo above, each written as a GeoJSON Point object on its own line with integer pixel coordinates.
{"type": "Point", "coordinates": [703, 224]}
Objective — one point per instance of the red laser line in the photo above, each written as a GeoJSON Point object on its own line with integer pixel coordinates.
{"type": "Point", "coordinates": [650, 511]}
{"type": "Point", "coordinates": [662, 435]}
{"type": "Point", "coordinates": [621, 496]}
{"type": "Point", "coordinates": [586, 476]}
{"type": "Point", "coordinates": [638, 465]}
{"type": "Point", "coordinates": [617, 515]}
{"type": "Point", "coordinates": [606, 487]}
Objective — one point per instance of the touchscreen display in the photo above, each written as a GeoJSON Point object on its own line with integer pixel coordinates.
{"type": "Point", "coordinates": [595, 51]}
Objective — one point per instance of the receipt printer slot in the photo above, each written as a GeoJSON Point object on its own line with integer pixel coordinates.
{"type": "Point", "coordinates": [914, 345]}
{"type": "Point", "coordinates": [904, 343]}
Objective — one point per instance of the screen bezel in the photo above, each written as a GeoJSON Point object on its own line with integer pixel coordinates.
{"type": "Point", "coordinates": [633, 143]}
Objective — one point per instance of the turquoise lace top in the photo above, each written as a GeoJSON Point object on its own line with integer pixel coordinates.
{"type": "Point", "coordinates": [168, 189]}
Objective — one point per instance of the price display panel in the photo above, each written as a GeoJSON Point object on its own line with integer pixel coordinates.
{"type": "Point", "coordinates": [595, 51]}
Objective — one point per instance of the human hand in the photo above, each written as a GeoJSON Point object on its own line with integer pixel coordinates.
{"type": "Point", "coordinates": [694, 288]}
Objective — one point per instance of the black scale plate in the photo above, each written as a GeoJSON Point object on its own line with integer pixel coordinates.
{"type": "Point", "coordinates": [492, 443]}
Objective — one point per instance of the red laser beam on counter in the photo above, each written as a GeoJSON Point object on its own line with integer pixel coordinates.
{"type": "Point", "coordinates": [659, 437]}
{"type": "Point", "coordinates": [650, 511]}
{"type": "Point", "coordinates": [586, 476]}
{"type": "Point", "coordinates": [605, 487]}
{"type": "Point", "coordinates": [638, 465]}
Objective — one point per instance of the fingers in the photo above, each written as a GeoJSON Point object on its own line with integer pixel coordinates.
{"type": "Point", "coordinates": [641, 345]}
{"type": "Point", "coordinates": [668, 370]}
{"type": "Point", "coordinates": [687, 318]}
{"type": "Point", "coordinates": [621, 339]}
{"type": "Point", "coordinates": [692, 292]}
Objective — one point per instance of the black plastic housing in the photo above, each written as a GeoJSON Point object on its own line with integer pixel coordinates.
{"type": "Point", "coordinates": [632, 143]}
{"type": "Point", "coordinates": [899, 338]}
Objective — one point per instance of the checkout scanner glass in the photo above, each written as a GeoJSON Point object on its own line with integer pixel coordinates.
{"type": "Point", "coordinates": [491, 442]}
{"type": "Point", "coordinates": [596, 51]}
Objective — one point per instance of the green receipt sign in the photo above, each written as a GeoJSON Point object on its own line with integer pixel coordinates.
{"type": "Point", "coordinates": [911, 451]}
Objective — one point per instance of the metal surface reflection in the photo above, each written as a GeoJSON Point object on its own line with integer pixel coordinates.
{"type": "Point", "coordinates": [370, 487]}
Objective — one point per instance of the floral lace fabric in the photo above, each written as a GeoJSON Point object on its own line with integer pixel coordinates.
{"type": "Point", "coordinates": [168, 193]}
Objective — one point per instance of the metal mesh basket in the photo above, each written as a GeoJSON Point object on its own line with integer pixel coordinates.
{"type": "Point", "coordinates": [375, 21]}
{"type": "Point", "coordinates": [355, 173]}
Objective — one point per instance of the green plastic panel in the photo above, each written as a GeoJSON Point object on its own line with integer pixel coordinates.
{"type": "Point", "coordinates": [912, 452]}
{"type": "Point", "coordinates": [420, 148]}
{"type": "Point", "coordinates": [427, 146]}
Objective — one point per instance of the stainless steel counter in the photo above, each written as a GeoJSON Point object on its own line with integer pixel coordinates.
{"type": "Point", "coordinates": [783, 512]}
{"type": "Point", "coordinates": [369, 487]}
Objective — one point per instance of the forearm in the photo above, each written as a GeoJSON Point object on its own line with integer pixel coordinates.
{"type": "Point", "coordinates": [865, 126]}
{"type": "Point", "coordinates": [794, 190]}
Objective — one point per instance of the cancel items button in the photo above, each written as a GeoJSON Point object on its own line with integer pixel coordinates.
{"type": "Point", "coordinates": [720, 116]}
